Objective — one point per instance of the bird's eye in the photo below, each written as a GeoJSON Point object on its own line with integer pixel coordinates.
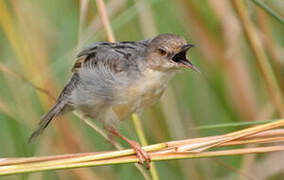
{"type": "Point", "coordinates": [162, 52]}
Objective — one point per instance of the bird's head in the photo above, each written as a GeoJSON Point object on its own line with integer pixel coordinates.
{"type": "Point", "coordinates": [168, 52]}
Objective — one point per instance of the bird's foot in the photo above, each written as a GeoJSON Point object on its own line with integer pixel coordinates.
{"type": "Point", "coordinates": [141, 154]}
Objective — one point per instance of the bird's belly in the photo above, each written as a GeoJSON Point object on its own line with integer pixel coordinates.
{"type": "Point", "coordinates": [122, 111]}
{"type": "Point", "coordinates": [140, 96]}
{"type": "Point", "coordinates": [124, 101]}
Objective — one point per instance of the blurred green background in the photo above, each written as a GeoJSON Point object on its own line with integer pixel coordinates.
{"type": "Point", "coordinates": [39, 40]}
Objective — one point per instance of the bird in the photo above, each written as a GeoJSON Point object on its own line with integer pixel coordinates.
{"type": "Point", "coordinates": [111, 81]}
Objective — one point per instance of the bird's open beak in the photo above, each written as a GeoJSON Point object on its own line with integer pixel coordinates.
{"type": "Point", "coordinates": [181, 59]}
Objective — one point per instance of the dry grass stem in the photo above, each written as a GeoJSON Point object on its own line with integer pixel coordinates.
{"type": "Point", "coordinates": [105, 20]}
{"type": "Point", "coordinates": [36, 167]}
{"type": "Point", "coordinates": [158, 152]}
{"type": "Point", "coordinates": [260, 56]}
{"type": "Point", "coordinates": [143, 141]}
{"type": "Point", "coordinates": [234, 136]}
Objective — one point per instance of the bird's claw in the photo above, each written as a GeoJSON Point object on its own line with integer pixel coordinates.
{"type": "Point", "coordinates": [141, 154]}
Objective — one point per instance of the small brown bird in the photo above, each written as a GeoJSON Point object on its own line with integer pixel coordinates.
{"type": "Point", "coordinates": [111, 81]}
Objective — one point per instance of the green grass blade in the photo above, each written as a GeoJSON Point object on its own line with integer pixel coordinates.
{"type": "Point", "coordinates": [269, 11]}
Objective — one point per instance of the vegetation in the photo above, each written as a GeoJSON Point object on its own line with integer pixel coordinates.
{"type": "Point", "coordinates": [239, 50]}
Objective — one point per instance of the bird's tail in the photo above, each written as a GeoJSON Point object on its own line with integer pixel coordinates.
{"type": "Point", "coordinates": [58, 107]}
{"type": "Point", "coordinates": [46, 119]}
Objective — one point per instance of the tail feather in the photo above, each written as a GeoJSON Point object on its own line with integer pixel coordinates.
{"type": "Point", "coordinates": [46, 119]}
{"type": "Point", "coordinates": [58, 107]}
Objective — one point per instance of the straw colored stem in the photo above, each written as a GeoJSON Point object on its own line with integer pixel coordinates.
{"type": "Point", "coordinates": [253, 141]}
{"type": "Point", "coordinates": [139, 129]}
{"type": "Point", "coordinates": [9, 170]}
{"type": "Point", "coordinates": [264, 137]}
{"type": "Point", "coordinates": [260, 56]}
{"type": "Point", "coordinates": [231, 136]}
{"type": "Point", "coordinates": [157, 152]}
{"type": "Point", "coordinates": [266, 134]}
{"type": "Point", "coordinates": [82, 158]}
{"type": "Point", "coordinates": [105, 20]}
{"type": "Point", "coordinates": [143, 141]}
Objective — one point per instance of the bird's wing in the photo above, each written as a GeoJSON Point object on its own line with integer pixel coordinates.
{"type": "Point", "coordinates": [106, 70]}
{"type": "Point", "coordinates": [116, 57]}
{"type": "Point", "coordinates": [83, 55]}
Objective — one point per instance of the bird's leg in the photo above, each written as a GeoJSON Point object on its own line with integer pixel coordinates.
{"type": "Point", "coordinates": [140, 153]}
{"type": "Point", "coordinates": [111, 138]}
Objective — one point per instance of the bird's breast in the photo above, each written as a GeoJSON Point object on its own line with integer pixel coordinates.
{"type": "Point", "coordinates": [144, 92]}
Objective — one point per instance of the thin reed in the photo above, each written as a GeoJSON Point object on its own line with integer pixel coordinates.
{"type": "Point", "coordinates": [238, 48]}
{"type": "Point", "coordinates": [195, 148]}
